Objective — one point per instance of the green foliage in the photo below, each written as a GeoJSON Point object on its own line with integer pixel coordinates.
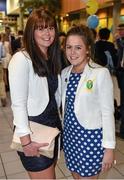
{"type": "Point", "coordinates": [53, 5]}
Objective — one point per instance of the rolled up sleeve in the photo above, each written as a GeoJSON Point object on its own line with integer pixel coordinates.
{"type": "Point", "coordinates": [19, 86]}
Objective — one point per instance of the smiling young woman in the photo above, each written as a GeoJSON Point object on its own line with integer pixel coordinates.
{"type": "Point", "coordinates": [88, 108]}
{"type": "Point", "coordinates": [34, 77]}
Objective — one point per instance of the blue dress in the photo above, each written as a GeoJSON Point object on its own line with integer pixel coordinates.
{"type": "Point", "coordinates": [82, 147]}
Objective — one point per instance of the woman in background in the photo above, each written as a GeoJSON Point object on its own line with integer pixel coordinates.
{"type": "Point", "coordinates": [2, 80]}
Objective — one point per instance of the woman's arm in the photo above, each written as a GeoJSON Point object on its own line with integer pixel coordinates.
{"type": "Point", "coordinates": [19, 88]}
{"type": "Point", "coordinates": [19, 84]}
{"type": "Point", "coordinates": [106, 101]}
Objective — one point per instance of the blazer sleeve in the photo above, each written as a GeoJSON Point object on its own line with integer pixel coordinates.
{"type": "Point", "coordinates": [58, 92]}
{"type": "Point", "coordinates": [19, 83]}
{"type": "Point", "coordinates": [106, 101]}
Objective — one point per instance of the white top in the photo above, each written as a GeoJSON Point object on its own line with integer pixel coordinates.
{"type": "Point", "coordinates": [2, 51]}
{"type": "Point", "coordinates": [29, 92]}
{"type": "Point", "coordinates": [94, 107]}
{"type": "Point", "coordinates": [7, 57]}
{"type": "Point", "coordinates": [7, 46]}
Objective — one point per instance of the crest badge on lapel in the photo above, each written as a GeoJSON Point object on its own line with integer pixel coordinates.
{"type": "Point", "coordinates": [89, 84]}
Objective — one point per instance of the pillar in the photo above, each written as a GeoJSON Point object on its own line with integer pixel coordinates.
{"type": "Point", "coordinates": [116, 14]}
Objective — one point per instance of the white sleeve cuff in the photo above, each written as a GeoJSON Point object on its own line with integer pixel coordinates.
{"type": "Point", "coordinates": [109, 145]}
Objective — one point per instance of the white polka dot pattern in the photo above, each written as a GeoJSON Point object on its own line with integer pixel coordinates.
{"type": "Point", "coordinates": [82, 147]}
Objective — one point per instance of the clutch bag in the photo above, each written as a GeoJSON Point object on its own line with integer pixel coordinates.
{"type": "Point", "coordinates": [40, 134]}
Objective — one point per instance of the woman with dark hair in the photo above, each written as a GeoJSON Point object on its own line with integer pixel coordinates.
{"type": "Point", "coordinates": [87, 101]}
{"type": "Point", "coordinates": [35, 90]}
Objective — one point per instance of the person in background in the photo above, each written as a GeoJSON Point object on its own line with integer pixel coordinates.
{"type": "Point", "coordinates": [34, 77]}
{"type": "Point", "coordinates": [120, 74]}
{"type": "Point", "coordinates": [2, 83]}
{"type": "Point", "coordinates": [64, 62]}
{"type": "Point", "coordinates": [105, 49]}
{"type": "Point", "coordinates": [94, 34]}
{"type": "Point", "coordinates": [62, 36]}
{"type": "Point", "coordinates": [106, 55]}
{"type": "Point", "coordinates": [88, 107]}
{"type": "Point", "coordinates": [2, 49]}
{"type": "Point", "coordinates": [10, 38]}
{"type": "Point", "coordinates": [18, 42]}
{"type": "Point", "coordinates": [6, 59]}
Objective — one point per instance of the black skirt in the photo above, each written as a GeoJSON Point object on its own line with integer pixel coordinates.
{"type": "Point", "coordinates": [36, 164]}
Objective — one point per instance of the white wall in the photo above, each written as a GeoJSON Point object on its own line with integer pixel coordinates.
{"type": "Point", "coordinates": [12, 6]}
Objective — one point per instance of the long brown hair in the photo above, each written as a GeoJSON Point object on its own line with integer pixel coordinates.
{"type": "Point", "coordinates": [43, 18]}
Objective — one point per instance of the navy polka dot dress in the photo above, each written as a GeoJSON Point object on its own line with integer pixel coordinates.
{"type": "Point", "coordinates": [82, 147]}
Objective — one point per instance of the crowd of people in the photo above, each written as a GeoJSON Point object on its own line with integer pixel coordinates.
{"type": "Point", "coordinates": [64, 81]}
{"type": "Point", "coordinates": [9, 45]}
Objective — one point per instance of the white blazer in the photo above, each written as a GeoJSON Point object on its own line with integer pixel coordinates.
{"type": "Point", "coordinates": [29, 92]}
{"type": "Point", "coordinates": [94, 107]}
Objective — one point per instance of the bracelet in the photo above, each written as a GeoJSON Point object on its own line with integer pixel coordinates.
{"type": "Point", "coordinates": [26, 144]}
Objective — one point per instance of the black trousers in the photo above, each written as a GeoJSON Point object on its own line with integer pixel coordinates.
{"type": "Point", "coordinates": [120, 78]}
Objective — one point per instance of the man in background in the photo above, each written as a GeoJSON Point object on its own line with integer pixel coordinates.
{"type": "Point", "coordinates": [120, 74]}
{"type": "Point", "coordinates": [10, 38]}
{"type": "Point", "coordinates": [18, 42]}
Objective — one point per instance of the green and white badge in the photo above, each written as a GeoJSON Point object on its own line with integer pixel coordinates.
{"type": "Point", "coordinates": [89, 84]}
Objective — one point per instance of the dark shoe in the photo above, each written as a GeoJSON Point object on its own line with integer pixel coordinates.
{"type": "Point", "coordinates": [7, 88]}
{"type": "Point", "coordinates": [3, 102]}
{"type": "Point", "coordinates": [120, 136]}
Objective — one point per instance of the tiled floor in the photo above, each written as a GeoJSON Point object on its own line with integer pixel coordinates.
{"type": "Point", "coordinates": [11, 167]}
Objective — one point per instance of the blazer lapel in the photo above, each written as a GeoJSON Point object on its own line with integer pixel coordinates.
{"type": "Point", "coordinates": [65, 83]}
{"type": "Point", "coordinates": [84, 77]}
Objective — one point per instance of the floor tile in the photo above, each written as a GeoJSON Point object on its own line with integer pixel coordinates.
{"type": "Point", "coordinates": [120, 169]}
{"type": "Point", "coordinates": [120, 145]}
{"type": "Point", "coordinates": [61, 160]}
{"type": "Point", "coordinates": [22, 175]}
{"type": "Point", "coordinates": [111, 174]}
{"type": "Point", "coordinates": [2, 173]}
{"type": "Point", "coordinates": [119, 157]}
{"type": "Point", "coordinates": [2, 178]}
{"type": "Point", "coordinates": [64, 169]}
{"type": "Point", "coordinates": [5, 138]}
{"type": "Point", "coordinates": [59, 173]}
{"type": "Point", "coordinates": [70, 177]}
{"type": "Point", "coordinates": [13, 167]}
{"type": "Point", "coordinates": [9, 156]}
{"type": "Point", "coordinates": [5, 147]}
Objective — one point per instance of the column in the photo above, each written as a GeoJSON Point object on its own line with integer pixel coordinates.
{"type": "Point", "coordinates": [21, 5]}
{"type": "Point", "coordinates": [116, 14]}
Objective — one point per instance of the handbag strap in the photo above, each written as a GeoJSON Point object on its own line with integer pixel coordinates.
{"type": "Point", "coordinates": [59, 139]}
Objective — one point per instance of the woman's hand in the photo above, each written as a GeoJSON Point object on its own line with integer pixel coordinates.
{"type": "Point", "coordinates": [108, 159]}
{"type": "Point", "coordinates": [32, 148]}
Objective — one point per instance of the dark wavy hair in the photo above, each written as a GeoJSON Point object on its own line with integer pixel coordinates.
{"type": "Point", "coordinates": [104, 33]}
{"type": "Point", "coordinates": [87, 36]}
{"type": "Point", "coordinates": [43, 18]}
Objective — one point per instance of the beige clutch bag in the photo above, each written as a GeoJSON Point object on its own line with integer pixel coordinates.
{"type": "Point", "coordinates": [40, 134]}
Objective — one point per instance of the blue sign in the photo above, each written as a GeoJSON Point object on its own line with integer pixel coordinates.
{"type": "Point", "coordinates": [3, 5]}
